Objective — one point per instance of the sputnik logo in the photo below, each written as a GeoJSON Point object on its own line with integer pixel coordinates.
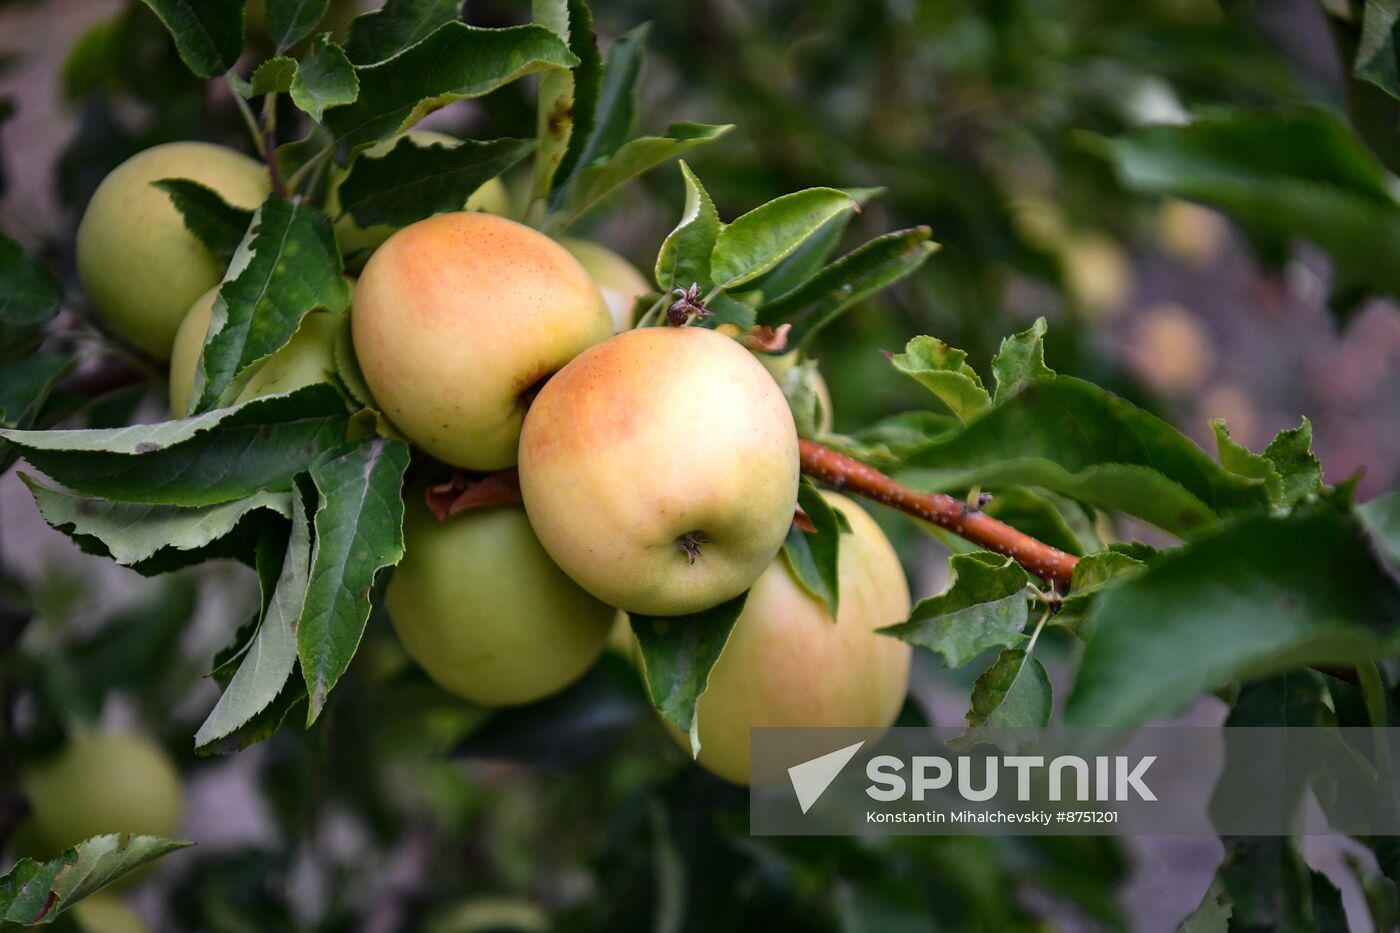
{"type": "Point", "coordinates": [811, 778]}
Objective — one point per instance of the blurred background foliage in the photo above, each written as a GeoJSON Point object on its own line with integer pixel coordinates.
{"type": "Point", "coordinates": [1041, 141]}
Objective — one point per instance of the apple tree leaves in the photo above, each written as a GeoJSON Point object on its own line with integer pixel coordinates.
{"type": "Point", "coordinates": [34, 893]}
{"type": "Point", "coordinates": [208, 36]}
{"type": "Point", "coordinates": [286, 266]}
{"type": "Point", "coordinates": [410, 182]}
{"type": "Point", "coordinates": [157, 497]}
{"type": "Point", "coordinates": [728, 262]}
{"type": "Point", "coordinates": [678, 653]}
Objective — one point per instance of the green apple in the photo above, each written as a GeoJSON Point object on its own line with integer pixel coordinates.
{"type": "Point", "coordinates": [458, 319]}
{"type": "Point", "coordinates": [106, 912]}
{"type": "Point", "coordinates": [619, 281]}
{"type": "Point", "coordinates": [104, 782]}
{"type": "Point", "coordinates": [480, 606]}
{"type": "Point", "coordinates": [304, 360]}
{"type": "Point", "coordinates": [660, 469]}
{"type": "Point", "coordinates": [140, 266]}
{"type": "Point", "coordinates": [788, 663]}
{"type": "Point", "coordinates": [490, 197]}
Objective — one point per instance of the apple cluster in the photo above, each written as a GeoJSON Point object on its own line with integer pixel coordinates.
{"type": "Point", "coordinates": [658, 466]}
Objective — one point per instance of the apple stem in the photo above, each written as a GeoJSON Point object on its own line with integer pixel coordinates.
{"type": "Point", "coordinates": [961, 518]}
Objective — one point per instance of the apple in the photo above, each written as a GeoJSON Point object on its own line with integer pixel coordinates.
{"type": "Point", "coordinates": [458, 319]}
{"type": "Point", "coordinates": [490, 197]}
{"type": "Point", "coordinates": [619, 281]}
{"type": "Point", "coordinates": [138, 263]}
{"type": "Point", "coordinates": [660, 469]}
{"type": "Point", "coordinates": [103, 782]}
{"type": "Point", "coordinates": [787, 663]}
{"type": "Point", "coordinates": [106, 912]}
{"type": "Point", "coordinates": [480, 606]}
{"type": "Point", "coordinates": [304, 360]}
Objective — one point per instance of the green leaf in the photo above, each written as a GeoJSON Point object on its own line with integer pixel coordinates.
{"type": "Point", "coordinates": [1093, 574]}
{"type": "Point", "coordinates": [887, 443]}
{"type": "Point", "coordinates": [37, 892]}
{"type": "Point", "coordinates": [267, 664]}
{"type": "Point", "coordinates": [862, 272]}
{"type": "Point", "coordinates": [594, 182]}
{"type": "Point", "coordinates": [768, 234]}
{"type": "Point", "coordinates": [1055, 520]}
{"type": "Point", "coordinates": [359, 532]}
{"type": "Point", "coordinates": [133, 534]}
{"type": "Point", "coordinates": [1014, 693]}
{"type": "Point", "coordinates": [347, 368]}
{"type": "Point", "coordinates": [287, 265]}
{"type": "Point", "coordinates": [605, 115]}
{"type": "Point", "coordinates": [216, 457]}
{"type": "Point", "coordinates": [29, 294]}
{"type": "Point", "coordinates": [677, 655]}
{"type": "Point", "coordinates": [1259, 596]}
{"type": "Point", "coordinates": [411, 182]}
{"type": "Point", "coordinates": [214, 222]}
{"type": "Point", "coordinates": [809, 258]}
{"type": "Point", "coordinates": [1382, 518]}
{"type": "Point", "coordinates": [1071, 437]}
{"type": "Point", "coordinates": [397, 25]}
{"type": "Point", "coordinates": [1299, 472]}
{"type": "Point", "coordinates": [1299, 173]}
{"type": "Point", "coordinates": [567, 100]}
{"type": "Point", "coordinates": [208, 36]}
{"type": "Point", "coordinates": [1376, 59]}
{"type": "Point", "coordinates": [455, 61]}
{"type": "Point", "coordinates": [814, 557]}
{"type": "Point", "coordinates": [1237, 459]}
{"type": "Point", "coordinates": [983, 606]}
{"type": "Point", "coordinates": [290, 21]}
{"type": "Point", "coordinates": [1020, 359]}
{"type": "Point", "coordinates": [803, 389]}
{"type": "Point", "coordinates": [944, 371]}
{"type": "Point", "coordinates": [26, 383]}
{"type": "Point", "coordinates": [324, 79]}
{"type": "Point", "coordinates": [684, 258]}
{"type": "Point", "coordinates": [274, 76]}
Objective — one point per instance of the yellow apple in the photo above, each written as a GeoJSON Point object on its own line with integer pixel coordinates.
{"type": "Point", "coordinates": [302, 361]}
{"type": "Point", "coordinates": [787, 663]}
{"type": "Point", "coordinates": [138, 263]}
{"type": "Point", "coordinates": [104, 782]}
{"type": "Point", "coordinates": [491, 197]}
{"type": "Point", "coordinates": [480, 606]}
{"type": "Point", "coordinates": [106, 912]}
{"type": "Point", "coordinates": [619, 281]}
{"type": "Point", "coordinates": [457, 321]}
{"type": "Point", "coordinates": [660, 469]}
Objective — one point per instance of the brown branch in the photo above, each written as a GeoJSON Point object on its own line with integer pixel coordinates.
{"type": "Point", "coordinates": [963, 520]}
{"type": "Point", "coordinates": [959, 517]}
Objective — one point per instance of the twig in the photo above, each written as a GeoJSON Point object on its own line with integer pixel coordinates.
{"type": "Point", "coordinates": [963, 520]}
{"type": "Point", "coordinates": [269, 142]}
{"type": "Point", "coordinates": [944, 511]}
